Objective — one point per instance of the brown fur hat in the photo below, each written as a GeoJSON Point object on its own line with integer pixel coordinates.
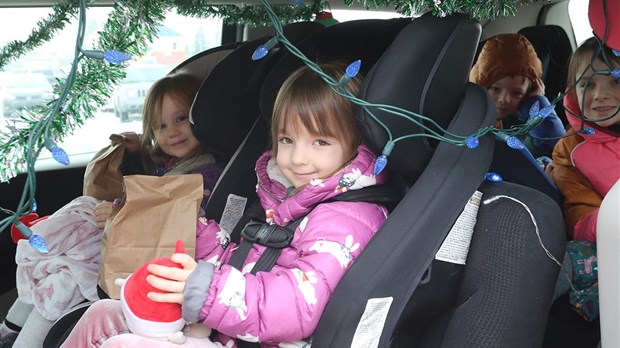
{"type": "Point", "coordinates": [505, 55]}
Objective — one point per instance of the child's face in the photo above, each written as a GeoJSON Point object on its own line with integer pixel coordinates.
{"type": "Point", "coordinates": [174, 134]}
{"type": "Point", "coordinates": [507, 93]}
{"type": "Point", "coordinates": [303, 156]}
{"type": "Point", "coordinates": [602, 94]}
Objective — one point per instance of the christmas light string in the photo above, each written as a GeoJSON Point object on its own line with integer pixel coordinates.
{"type": "Point", "coordinates": [40, 137]}
{"type": "Point", "coordinates": [509, 136]}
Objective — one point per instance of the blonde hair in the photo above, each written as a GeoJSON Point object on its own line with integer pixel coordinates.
{"type": "Point", "coordinates": [306, 101]}
{"type": "Point", "coordinates": [585, 52]}
{"type": "Point", "coordinates": [181, 87]}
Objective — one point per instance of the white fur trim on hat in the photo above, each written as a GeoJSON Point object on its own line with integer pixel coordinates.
{"type": "Point", "coordinates": [148, 328]}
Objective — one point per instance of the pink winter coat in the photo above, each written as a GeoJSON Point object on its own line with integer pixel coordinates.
{"type": "Point", "coordinates": [585, 169]}
{"type": "Point", "coordinates": [285, 304]}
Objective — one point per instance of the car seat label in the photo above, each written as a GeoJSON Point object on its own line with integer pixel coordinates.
{"type": "Point", "coordinates": [371, 324]}
{"type": "Point", "coordinates": [455, 247]}
{"type": "Point", "coordinates": [235, 205]}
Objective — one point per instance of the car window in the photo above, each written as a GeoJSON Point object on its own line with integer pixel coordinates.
{"type": "Point", "coordinates": [178, 39]}
{"type": "Point", "coordinates": [578, 12]}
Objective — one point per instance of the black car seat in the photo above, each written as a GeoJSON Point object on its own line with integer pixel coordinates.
{"type": "Point", "coordinates": [397, 294]}
{"type": "Point", "coordinates": [554, 49]}
{"type": "Point", "coordinates": [348, 41]}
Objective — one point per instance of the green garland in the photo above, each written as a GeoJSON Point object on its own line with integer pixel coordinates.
{"type": "Point", "coordinates": [131, 26]}
{"type": "Point", "coordinates": [478, 9]}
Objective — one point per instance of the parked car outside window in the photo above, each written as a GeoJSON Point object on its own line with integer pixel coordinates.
{"type": "Point", "coordinates": [129, 95]}
{"type": "Point", "coordinates": [21, 89]}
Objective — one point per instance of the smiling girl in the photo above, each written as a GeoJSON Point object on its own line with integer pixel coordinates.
{"type": "Point", "coordinates": [586, 166]}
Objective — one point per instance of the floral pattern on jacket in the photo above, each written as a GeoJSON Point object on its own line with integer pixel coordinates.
{"type": "Point", "coordinates": [285, 304]}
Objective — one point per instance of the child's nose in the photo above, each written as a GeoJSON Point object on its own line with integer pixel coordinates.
{"type": "Point", "coordinates": [299, 155]}
{"type": "Point", "coordinates": [503, 97]}
{"type": "Point", "coordinates": [600, 92]}
{"type": "Point", "coordinates": [174, 130]}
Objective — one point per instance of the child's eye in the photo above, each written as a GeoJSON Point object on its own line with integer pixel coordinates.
{"type": "Point", "coordinates": [321, 142]}
{"type": "Point", "coordinates": [182, 119]}
{"type": "Point", "coordinates": [162, 126]}
{"type": "Point", "coordinates": [285, 140]}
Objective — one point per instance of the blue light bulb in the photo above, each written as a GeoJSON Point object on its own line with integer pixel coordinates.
{"type": "Point", "coordinates": [35, 206]}
{"type": "Point", "coordinates": [515, 143]}
{"type": "Point", "coordinates": [534, 109]}
{"type": "Point", "coordinates": [616, 73]}
{"type": "Point", "coordinates": [380, 164]}
{"type": "Point", "coordinates": [353, 68]}
{"type": "Point", "coordinates": [493, 177]}
{"type": "Point", "coordinates": [616, 53]}
{"type": "Point", "coordinates": [59, 154]}
{"type": "Point", "coordinates": [588, 131]}
{"type": "Point", "coordinates": [349, 73]}
{"type": "Point", "coordinates": [382, 160]}
{"type": "Point", "coordinates": [116, 57]}
{"type": "Point", "coordinates": [35, 240]}
{"type": "Point", "coordinates": [544, 112]}
{"type": "Point", "coordinates": [472, 142]}
{"type": "Point", "coordinates": [38, 243]}
{"type": "Point", "coordinates": [260, 52]}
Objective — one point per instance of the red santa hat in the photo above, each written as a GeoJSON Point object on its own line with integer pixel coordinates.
{"type": "Point", "coordinates": [146, 317]}
{"type": "Point", "coordinates": [597, 10]}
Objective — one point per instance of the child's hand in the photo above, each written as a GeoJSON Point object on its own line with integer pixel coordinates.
{"type": "Point", "coordinates": [132, 141]}
{"type": "Point", "coordinates": [538, 88]}
{"type": "Point", "coordinates": [170, 280]}
{"type": "Point", "coordinates": [102, 213]}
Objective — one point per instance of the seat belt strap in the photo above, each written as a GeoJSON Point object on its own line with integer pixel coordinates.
{"type": "Point", "coordinates": [268, 258]}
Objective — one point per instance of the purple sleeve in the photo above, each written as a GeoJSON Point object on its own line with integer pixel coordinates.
{"type": "Point", "coordinates": [210, 175]}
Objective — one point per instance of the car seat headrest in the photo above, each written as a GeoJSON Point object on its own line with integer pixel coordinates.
{"type": "Point", "coordinates": [348, 41]}
{"type": "Point", "coordinates": [226, 105]}
{"type": "Point", "coordinates": [428, 78]}
{"type": "Point", "coordinates": [201, 64]}
{"type": "Point", "coordinates": [554, 50]}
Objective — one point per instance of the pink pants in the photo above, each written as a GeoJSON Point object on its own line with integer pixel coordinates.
{"type": "Point", "coordinates": [103, 325]}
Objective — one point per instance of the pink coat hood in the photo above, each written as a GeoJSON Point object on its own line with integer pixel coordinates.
{"type": "Point", "coordinates": [598, 156]}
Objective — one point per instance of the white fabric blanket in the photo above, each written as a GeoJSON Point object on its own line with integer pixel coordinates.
{"type": "Point", "coordinates": [56, 281]}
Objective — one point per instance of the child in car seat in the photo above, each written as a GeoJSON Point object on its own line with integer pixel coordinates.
{"type": "Point", "coordinates": [315, 145]}
{"type": "Point", "coordinates": [50, 284]}
{"type": "Point", "coordinates": [510, 70]}
{"type": "Point", "coordinates": [585, 166]}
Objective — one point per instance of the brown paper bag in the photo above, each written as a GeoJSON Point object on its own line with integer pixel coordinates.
{"type": "Point", "coordinates": [155, 213]}
{"type": "Point", "coordinates": [102, 178]}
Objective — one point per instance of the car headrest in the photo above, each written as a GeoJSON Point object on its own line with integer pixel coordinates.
{"type": "Point", "coordinates": [428, 78]}
{"type": "Point", "coordinates": [348, 41]}
{"type": "Point", "coordinates": [554, 49]}
{"type": "Point", "coordinates": [201, 64]}
{"type": "Point", "coordinates": [226, 105]}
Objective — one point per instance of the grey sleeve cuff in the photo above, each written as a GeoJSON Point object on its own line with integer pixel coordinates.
{"type": "Point", "coordinates": [196, 291]}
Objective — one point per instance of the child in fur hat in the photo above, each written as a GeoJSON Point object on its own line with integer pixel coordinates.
{"type": "Point", "coordinates": [510, 70]}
